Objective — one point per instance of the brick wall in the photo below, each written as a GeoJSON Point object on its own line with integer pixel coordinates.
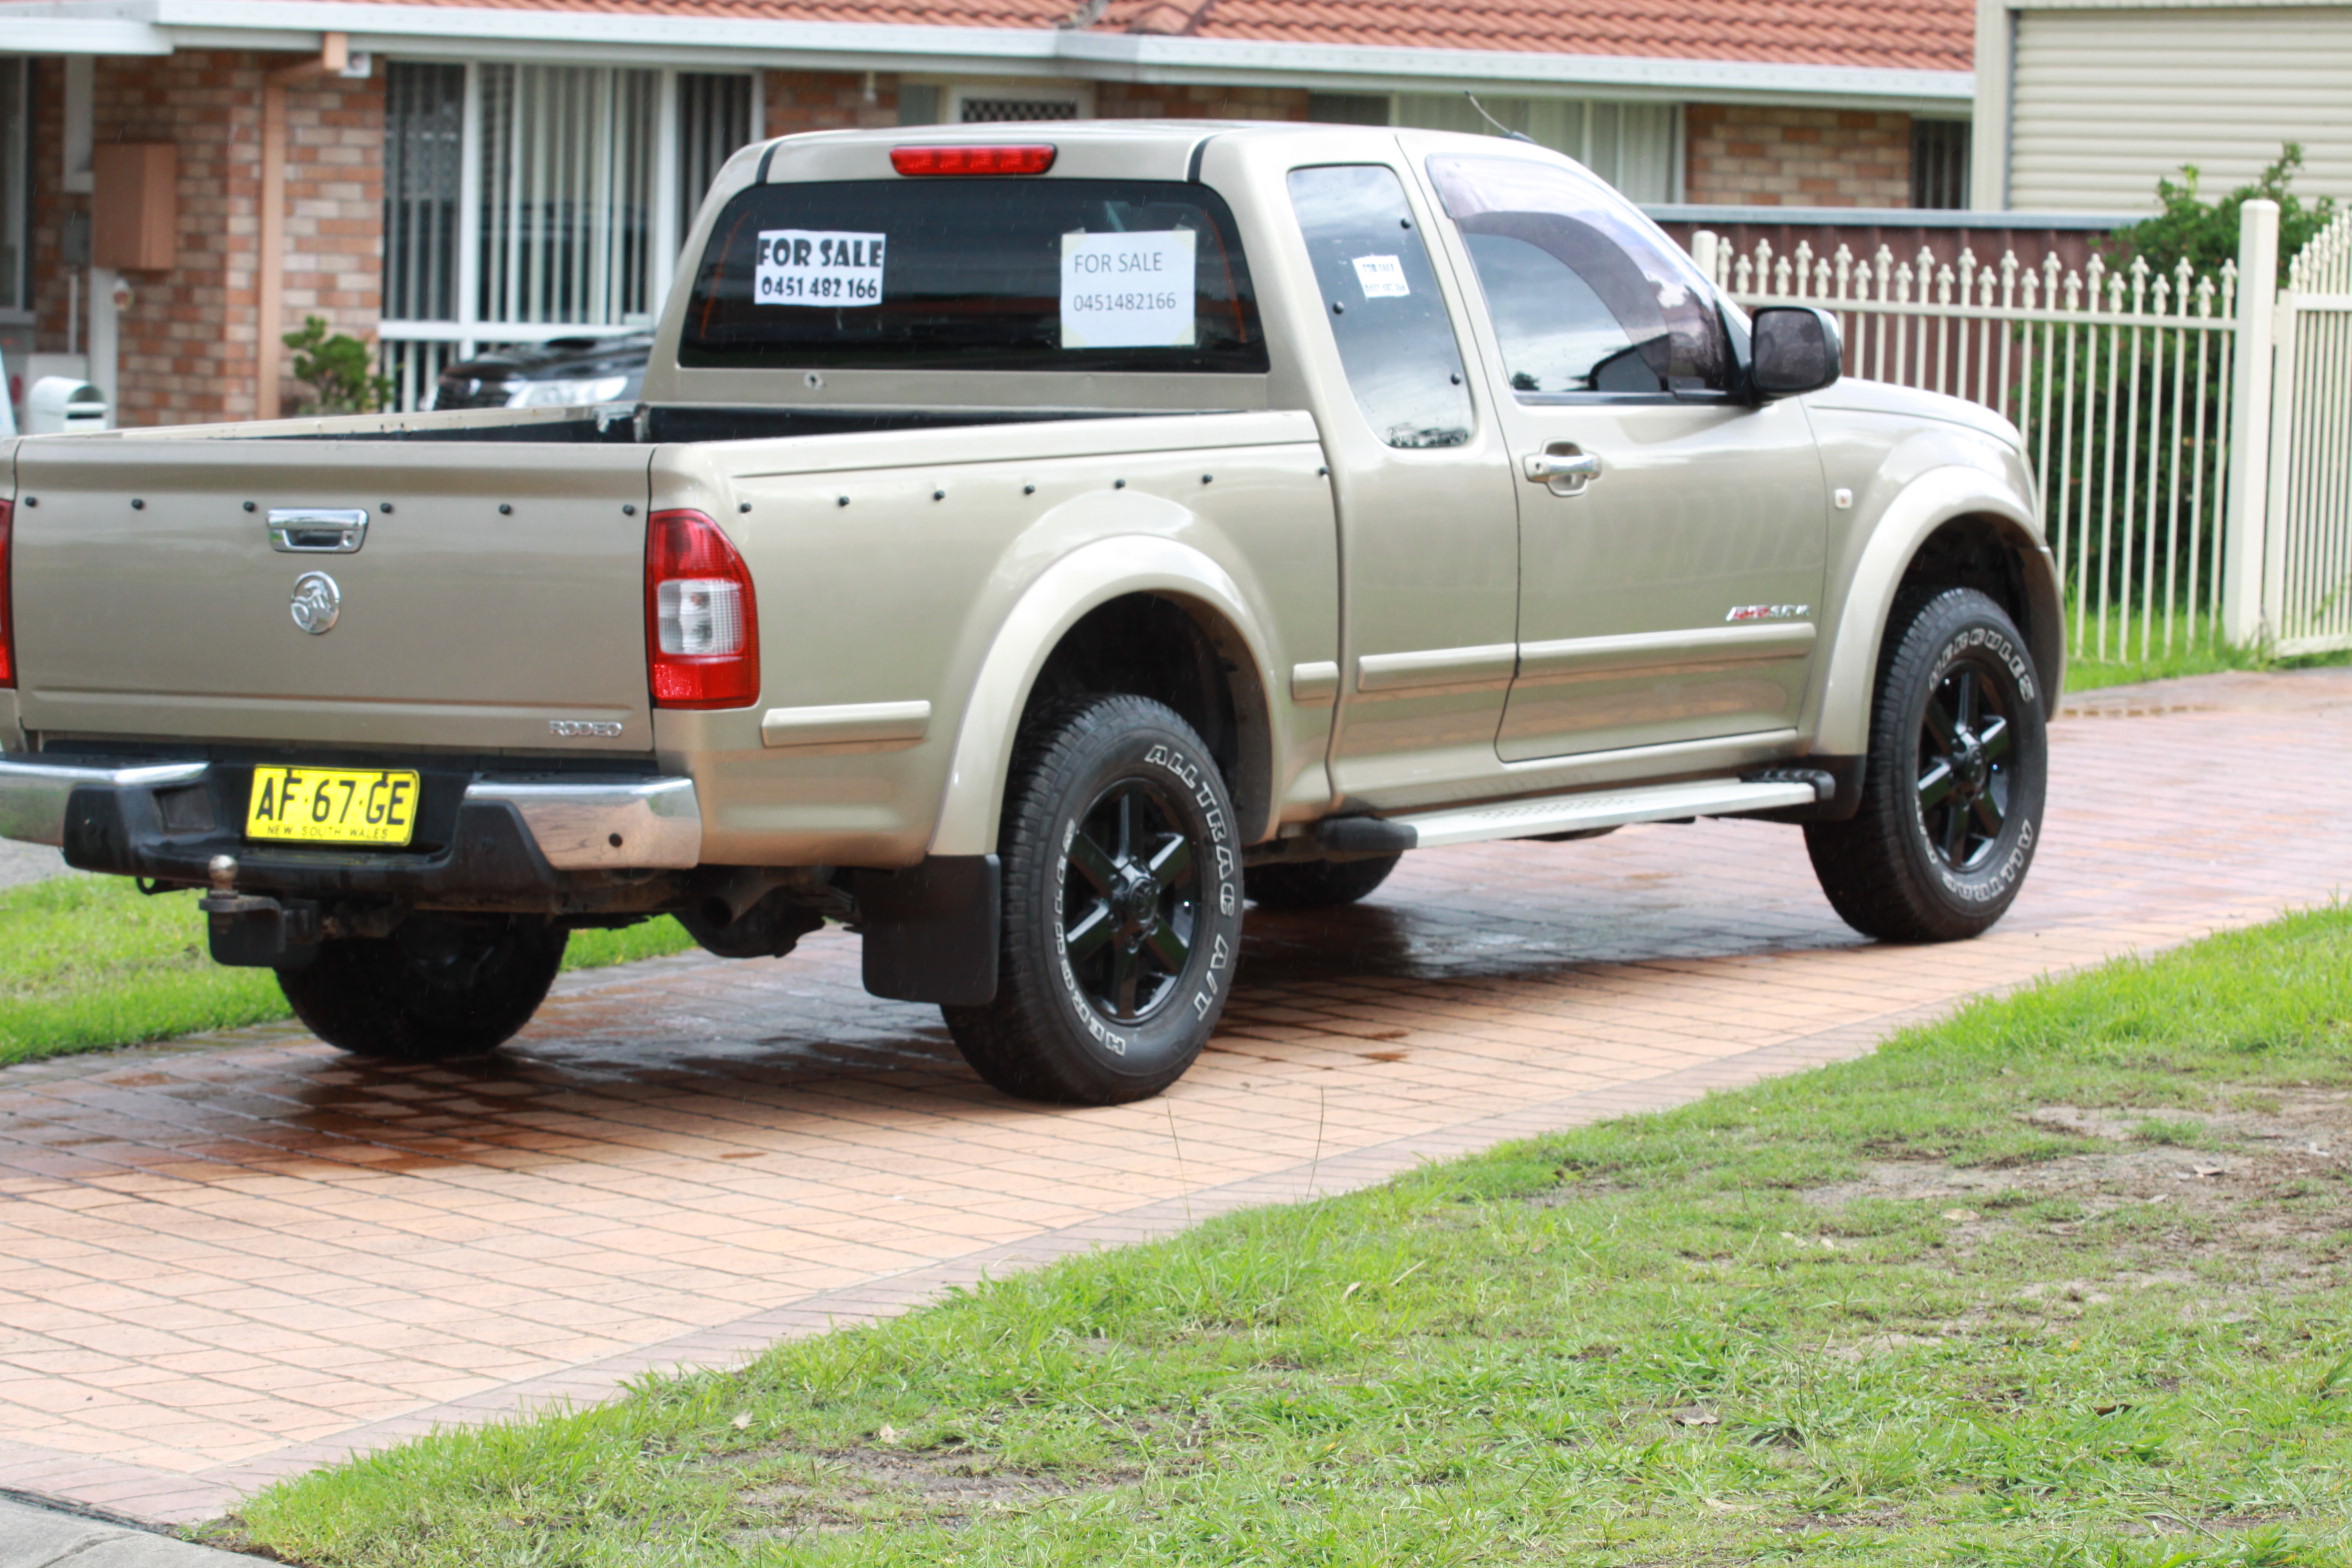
{"type": "Point", "coordinates": [188, 336]}
{"type": "Point", "coordinates": [826, 101]}
{"type": "Point", "coordinates": [1766, 157]}
{"type": "Point", "coordinates": [1162, 101]}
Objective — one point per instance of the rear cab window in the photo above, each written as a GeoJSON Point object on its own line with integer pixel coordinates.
{"type": "Point", "coordinates": [1382, 299]}
{"type": "Point", "coordinates": [975, 274]}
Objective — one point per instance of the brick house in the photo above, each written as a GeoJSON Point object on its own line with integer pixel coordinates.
{"type": "Point", "coordinates": [182, 181]}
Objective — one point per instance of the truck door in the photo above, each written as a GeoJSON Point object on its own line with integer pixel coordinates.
{"type": "Point", "coordinates": [1671, 539]}
{"type": "Point", "coordinates": [1428, 528]}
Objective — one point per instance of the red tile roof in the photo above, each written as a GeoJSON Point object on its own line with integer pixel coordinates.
{"type": "Point", "coordinates": [1936, 35]}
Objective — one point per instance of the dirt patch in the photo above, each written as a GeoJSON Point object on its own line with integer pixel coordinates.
{"type": "Point", "coordinates": [861, 1489]}
{"type": "Point", "coordinates": [2256, 1182]}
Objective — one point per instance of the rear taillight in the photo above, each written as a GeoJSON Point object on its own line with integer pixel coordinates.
{"type": "Point", "coordinates": [972, 160]}
{"type": "Point", "coordinates": [7, 601]}
{"type": "Point", "coordinates": [701, 624]}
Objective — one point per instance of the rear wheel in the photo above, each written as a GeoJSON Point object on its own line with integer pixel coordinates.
{"type": "Point", "coordinates": [1122, 908]}
{"type": "Point", "coordinates": [437, 987]}
{"type": "Point", "coordinates": [1318, 884]}
{"type": "Point", "coordinates": [1953, 785]}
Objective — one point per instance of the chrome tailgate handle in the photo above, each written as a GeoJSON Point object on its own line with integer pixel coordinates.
{"type": "Point", "coordinates": [1563, 468]}
{"type": "Point", "coordinates": [314, 530]}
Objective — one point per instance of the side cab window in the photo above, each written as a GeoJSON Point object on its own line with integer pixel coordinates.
{"type": "Point", "coordinates": [1381, 296]}
{"type": "Point", "coordinates": [1586, 295]}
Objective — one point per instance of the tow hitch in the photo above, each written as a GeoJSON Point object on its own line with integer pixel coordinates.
{"type": "Point", "coordinates": [254, 932]}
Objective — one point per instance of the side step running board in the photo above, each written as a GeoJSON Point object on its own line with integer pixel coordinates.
{"type": "Point", "coordinates": [1565, 814]}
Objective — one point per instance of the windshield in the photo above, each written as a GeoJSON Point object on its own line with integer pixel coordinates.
{"type": "Point", "coordinates": [975, 274]}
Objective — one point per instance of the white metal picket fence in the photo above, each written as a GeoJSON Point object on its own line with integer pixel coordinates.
{"type": "Point", "coordinates": [2307, 565]}
{"type": "Point", "coordinates": [2119, 378]}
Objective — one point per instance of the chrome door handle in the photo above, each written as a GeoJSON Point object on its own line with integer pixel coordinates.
{"type": "Point", "coordinates": [1565, 470]}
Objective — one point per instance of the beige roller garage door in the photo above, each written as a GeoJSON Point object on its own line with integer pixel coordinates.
{"type": "Point", "coordinates": [2106, 100]}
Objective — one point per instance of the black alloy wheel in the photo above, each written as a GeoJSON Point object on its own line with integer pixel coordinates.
{"type": "Point", "coordinates": [1130, 901]}
{"type": "Point", "coordinates": [1965, 777]}
{"type": "Point", "coordinates": [1122, 907]}
{"type": "Point", "coordinates": [1952, 785]}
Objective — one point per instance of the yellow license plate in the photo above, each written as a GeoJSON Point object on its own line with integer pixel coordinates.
{"type": "Point", "coordinates": [333, 805]}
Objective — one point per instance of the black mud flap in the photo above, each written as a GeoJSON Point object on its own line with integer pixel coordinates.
{"type": "Point", "coordinates": [932, 931]}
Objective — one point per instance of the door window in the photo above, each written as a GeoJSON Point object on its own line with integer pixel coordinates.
{"type": "Point", "coordinates": [1381, 297]}
{"type": "Point", "coordinates": [1586, 295]}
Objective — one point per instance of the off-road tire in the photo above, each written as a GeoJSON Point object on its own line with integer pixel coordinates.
{"type": "Point", "coordinates": [1318, 884]}
{"type": "Point", "coordinates": [435, 988]}
{"type": "Point", "coordinates": [1953, 785]}
{"type": "Point", "coordinates": [1119, 944]}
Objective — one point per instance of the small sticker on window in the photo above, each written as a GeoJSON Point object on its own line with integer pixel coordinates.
{"type": "Point", "coordinates": [1382, 277]}
{"type": "Point", "coordinates": [818, 267]}
{"type": "Point", "coordinates": [1128, 290]}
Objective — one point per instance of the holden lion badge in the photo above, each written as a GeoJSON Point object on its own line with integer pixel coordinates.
{"type": "Point", "coordinates": [317, 602]}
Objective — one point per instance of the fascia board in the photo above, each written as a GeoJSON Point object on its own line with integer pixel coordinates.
{"type": "Point", "coordinates": [54, 35]}
{"type": "Point", "coordinates": [485, 25]}
{"type": "Point", "coordinates": [675, 44]}
{"type": "Point", "coordinates": [456, 30]}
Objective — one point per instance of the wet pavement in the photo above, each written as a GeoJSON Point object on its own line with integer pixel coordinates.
{"type": "Point", "coordinates": [228, 1259]}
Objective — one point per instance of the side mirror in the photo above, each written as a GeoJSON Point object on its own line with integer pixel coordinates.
{"type": "Point", "coordinates": [1797, 349]}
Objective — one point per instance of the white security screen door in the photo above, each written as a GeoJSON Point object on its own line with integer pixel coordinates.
{"type": "Point", "coordinates": [524, 203]}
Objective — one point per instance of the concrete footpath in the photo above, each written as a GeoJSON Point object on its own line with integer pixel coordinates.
{"type": "Point", "coordinates": [33, 1537]}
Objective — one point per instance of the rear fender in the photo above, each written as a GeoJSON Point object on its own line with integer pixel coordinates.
{"type": "Point", "coordinates": [1092, 575]}
{"type": "Point", "coordinates": [1926, 504]}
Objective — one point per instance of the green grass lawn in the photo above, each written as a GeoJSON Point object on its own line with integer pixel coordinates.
{"type": "Point", "coordinates": [2059, 1282]}
{"type": "Point", "coordinates": [90, 962]}
{"type": "Point", "coordinates": [2190, 645]}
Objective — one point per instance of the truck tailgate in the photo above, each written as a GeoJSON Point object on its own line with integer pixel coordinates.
{"type": "Point", "coordinates": [496, 601]}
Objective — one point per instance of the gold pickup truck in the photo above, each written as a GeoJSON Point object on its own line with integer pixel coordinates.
{"type": "Point", "coordinates": [1032, 543]}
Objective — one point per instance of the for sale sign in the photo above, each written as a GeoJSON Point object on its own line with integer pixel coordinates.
{"type": "Point", "coordinates": [1128, 290]}
{"type": "Point", "coordinates": [818, 267]}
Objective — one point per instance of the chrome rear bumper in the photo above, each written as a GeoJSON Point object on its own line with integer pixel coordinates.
{"type": "Point", "coordinates": [33, 794]}
{"type": "Point", "coordinates": [589, 825]}
{"type": "Point", "coordinates": [648, 824]}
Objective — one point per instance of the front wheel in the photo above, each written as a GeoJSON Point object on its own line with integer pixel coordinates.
{"type": "Point", "coordinates": [1953, 785]}
{"type": "Point", "coordinates": [437, 987]}
{"type": "Point", "coordinates": [1122, 908]}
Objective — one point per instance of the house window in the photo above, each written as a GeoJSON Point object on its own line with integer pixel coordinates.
{"type": "Point", "coordinates": [15, 184]}
{"type": "Point", "coordinates": [529, 202]}
{"type": "Point", "coordinates": [1636, 147]}
{"type": "Point", "coordinates": [424, 140]}
{"type": "Point", "coordinates": [567, 193]}
{"type": "Point", "coordinates": [1348, 108]}
{"type": "Point", "coordinates": [714, 118]}
{"type": "Point", "coordinates": [1939, 163]}
{"type": "Point", "coordinates": [995, 105]}
{"type": "Point", "coordinates": [983, 111]}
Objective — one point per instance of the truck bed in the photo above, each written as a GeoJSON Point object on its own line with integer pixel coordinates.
{"type": "Point", "coordinates": [495, 604]}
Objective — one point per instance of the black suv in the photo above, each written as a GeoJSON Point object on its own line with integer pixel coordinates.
{"type": "Point", "coordinates": [558, 372]}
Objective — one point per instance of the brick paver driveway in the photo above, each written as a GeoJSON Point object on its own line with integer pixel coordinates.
{"type": "Point", "coordinates": [229, 1259]}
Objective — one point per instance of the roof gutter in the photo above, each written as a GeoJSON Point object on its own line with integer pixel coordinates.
{"type": "Point", "coordinates": [596, 37]}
